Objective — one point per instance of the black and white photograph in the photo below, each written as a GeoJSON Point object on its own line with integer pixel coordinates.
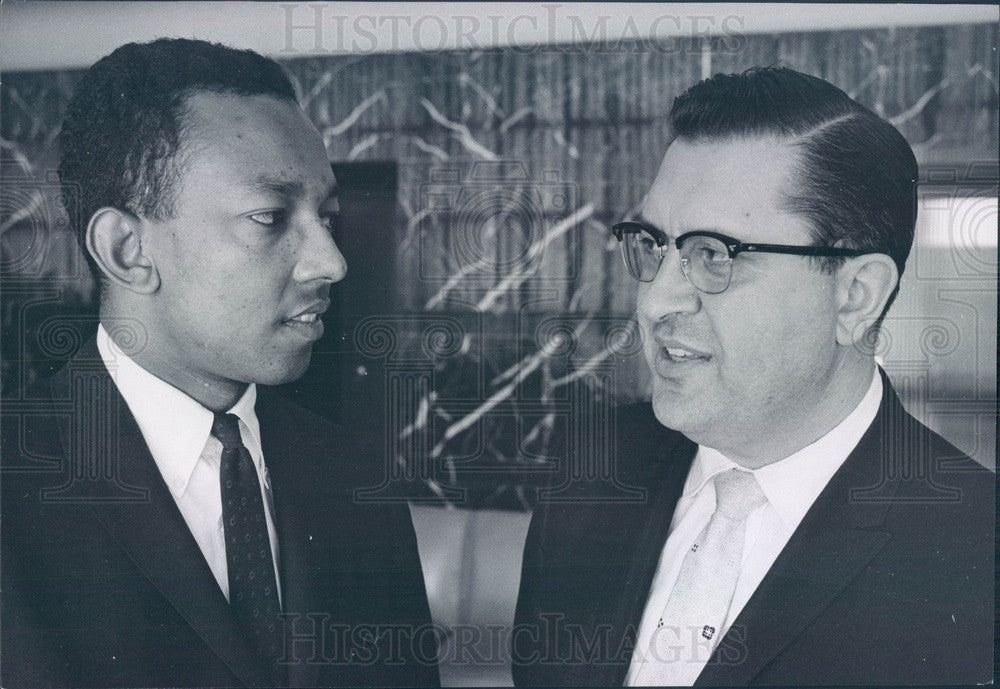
{"type": "Point", "coordinates": [415, 344]}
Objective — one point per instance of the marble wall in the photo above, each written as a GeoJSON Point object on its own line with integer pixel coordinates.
{"type": "Point", "coordinates": [512, 164]}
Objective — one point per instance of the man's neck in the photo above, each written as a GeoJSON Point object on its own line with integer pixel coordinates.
{"type": "Point", "coordinates": [214, 394]}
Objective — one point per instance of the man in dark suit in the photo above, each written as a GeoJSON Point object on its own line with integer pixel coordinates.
{"type": "Point", "coordinates": [798, 527]}
{"type": "Point", "coordinates": [166, 522]}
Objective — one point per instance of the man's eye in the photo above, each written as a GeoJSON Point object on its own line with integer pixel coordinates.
{"type": "Point", "coordinates": [269, 218]}
{"type": "Point", "coordinates": [647, 243]}
{"type": "Point", "coordinates": [705, 250]}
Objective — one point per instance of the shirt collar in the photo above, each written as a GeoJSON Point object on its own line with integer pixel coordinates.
{"type": "Point", "coordinates": [792, 485]}
{"type": "Point", "coordinates": [244, 410]}
{"type": "Point", "coordinates": [173, 424]}
{"type": "Point", "coordinates": [708, 463]}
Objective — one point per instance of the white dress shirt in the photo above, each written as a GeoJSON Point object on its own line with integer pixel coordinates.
{"type": "Point", "coordinates": [791, 485]}
{"type": "Point", "coordinates": [178, 432]}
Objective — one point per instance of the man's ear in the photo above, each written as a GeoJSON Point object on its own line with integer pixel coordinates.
{"type": "Point", "coordinates": [864, 284]}
{"type": "Point", "coordinates": [114, 239]}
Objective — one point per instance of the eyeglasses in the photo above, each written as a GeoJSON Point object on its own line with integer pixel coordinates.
{"type": "Point", "coordinates": [706, 257]}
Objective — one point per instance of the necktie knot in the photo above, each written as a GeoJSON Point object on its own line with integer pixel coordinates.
{"type": "Point", "coordinates": [737, 494]}
{"type": "Point", "coordinates": [226, 428]}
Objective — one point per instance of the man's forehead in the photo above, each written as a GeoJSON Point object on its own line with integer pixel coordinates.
{"type": "Point", "coordinates": [247, 122]}
{"type": "Point", "coordinates": [732, 185]}
{"type": "Point", "coordinates": [260, 143]}
{"type": "Point", "coordinates": [733, 159]}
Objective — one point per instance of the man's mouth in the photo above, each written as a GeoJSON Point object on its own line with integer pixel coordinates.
{"type": "Point", "coordinates": [679, 354]}
{"type": "Point", "coordinates": [670, 355]}
{"type": "Point", "coordinates": [307, 322]}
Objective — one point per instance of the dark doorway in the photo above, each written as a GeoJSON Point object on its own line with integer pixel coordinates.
{"type": "Point", "coordinates": [340, 384]}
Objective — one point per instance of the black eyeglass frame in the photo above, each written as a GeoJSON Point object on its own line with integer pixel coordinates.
{"type": "Point", "coordinates": [734, 247]}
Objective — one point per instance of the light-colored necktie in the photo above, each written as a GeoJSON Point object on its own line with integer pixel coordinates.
{"type": "Point", "coordinates": [691, 624]}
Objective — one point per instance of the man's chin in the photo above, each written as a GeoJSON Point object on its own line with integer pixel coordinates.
{"type": "Point", "coordinates": [673, 411]}
{"type": "Point", "coordinates": [289, 371]}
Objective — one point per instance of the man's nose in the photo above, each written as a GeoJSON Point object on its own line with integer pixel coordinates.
{"type": "Point", "coordinates": [669, 293]}
{"type": "Point", "coordinates": [319, 257]}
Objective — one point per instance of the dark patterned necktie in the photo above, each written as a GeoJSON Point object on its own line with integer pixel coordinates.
{"type": "Point", "coordinates": [253, 592]}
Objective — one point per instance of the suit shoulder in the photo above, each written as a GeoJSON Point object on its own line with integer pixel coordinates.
{"type": "Point", "coordinates": [286, 413]}
{"type": "Point", "coordinates": [30, 432]}
{"type": "Point", "coordinates": [639, 416]}
{"type": "Point", "coordinates": [641, 438]}
{"type": "Point", "coordinates": [941, 490]}
{"type": "Point", "coordinates": [946, 460]}
{"type": "Point", "coordinates": [349, 458]}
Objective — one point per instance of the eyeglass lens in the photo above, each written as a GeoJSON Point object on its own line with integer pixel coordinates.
{"type": "Point", "coordinates": [705, 260]}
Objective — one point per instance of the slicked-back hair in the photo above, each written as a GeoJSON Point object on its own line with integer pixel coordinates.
{"type": "Point", "coordinates": [856, 177]}
{"type": "Point", "coordinates": [121, 138]}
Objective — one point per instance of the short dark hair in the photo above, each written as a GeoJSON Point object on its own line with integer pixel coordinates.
{"type": "Point", "coordinates": [857, 174]}
{"type": "Point", "coordinates": [123, 128]}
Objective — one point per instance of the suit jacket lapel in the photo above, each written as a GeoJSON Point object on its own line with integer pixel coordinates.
{"type": "Point", "coordinates": [836, 539]}
{"type": "Point", "coordinates": [152, 531]}
{"type": "Point", "coordinates": [650, 538]}
{"type": "Point", "coordinates": [295, 523]}
{"type": "Point", "coordinates": [664, 458]}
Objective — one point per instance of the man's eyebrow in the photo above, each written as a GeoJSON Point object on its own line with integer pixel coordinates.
{"type": "Point", "coordinates": [646, 221]}
{"type": "Point", "coordinates": [708, 228]}
{"type": "Point", "coordinates": [275, 185]}
{"type": "Point", "coordinates": [643, 219]}
{"type": "Point", "coordinates": [288, 187]}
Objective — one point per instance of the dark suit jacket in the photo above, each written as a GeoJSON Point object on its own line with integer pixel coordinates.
{"type": "Point", "coordinates": [887, 580]}
{"type": "Point", "coordinates": [104, 585]}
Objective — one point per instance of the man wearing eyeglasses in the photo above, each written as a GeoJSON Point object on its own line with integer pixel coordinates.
{"type": "Point", "coordinates": [798, 526]}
